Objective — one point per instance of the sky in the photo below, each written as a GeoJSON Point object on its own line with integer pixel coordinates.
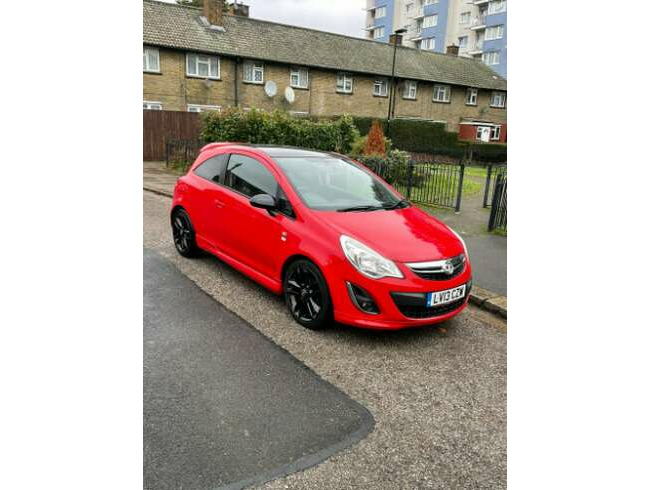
{"type": "Point", "coordinates": [340, 16]}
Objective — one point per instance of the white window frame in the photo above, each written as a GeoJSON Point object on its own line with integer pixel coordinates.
{"type": "Point", "coordinates": [465, 17]}
{"type": "Point", "coordinates": [498, 99]}
{"type": "Point", "coordinates": [378, 32]}
{"type": "Point", "coordinates": [494, 32]}
{"type": "Point", "coordinates": [496, 7]}
{"type": "Point", "coordinates": [380, 87]}
{"type": "Point", "coordinates": [203, 59]}
{"type": "Point", "coordinates": [480, 130]}
{"type": "Point", "coordinates": [300, 73]}
{"type": "Point", "coordinates": [472, 96]}
{"type": "Point", "coordinates": [491, 58]}
{"type": "Point", "coordinates": [203, 108]}
{"type": "Point", "coordinates": [380, 12]}
{"type": "Point", "coordinates": [428, 44]}
{"type": "Point", "coordinates": [439, 89]}
{"type": "Point", "coordinates": [342, 80]}
{"type": "Point", "coordinates": [495, 133]}
{"type": "Point", "coordinates": [410, 86]}
{"type": "Point", "coordinates": [430, 21]}
{"type": "Point", "coordinates": [299, 113]}
{"type": "Point", "coordinates": [150, 105]}
{"type": "Point", "coordinates": [462, 44]}
{"type": "Point", "coordinates": [146, 51]}
{"type": "Point", "coordinates": [257, 68]}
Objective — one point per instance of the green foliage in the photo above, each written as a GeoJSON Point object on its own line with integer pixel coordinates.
{"type": "Point", "coordinates": [393, 168]}
{"type": "Point", "coordinates": [279, 128]}
{"type": "Point", "coordinates": [359, 145]}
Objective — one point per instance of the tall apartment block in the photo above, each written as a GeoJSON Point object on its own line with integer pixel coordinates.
{"type": "Point", "coordinates": [478, 28]}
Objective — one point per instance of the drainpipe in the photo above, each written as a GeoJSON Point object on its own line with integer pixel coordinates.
{"type": "Point", "coordinates": [236, 82]}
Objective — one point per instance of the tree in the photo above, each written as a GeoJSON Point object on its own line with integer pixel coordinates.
{"type": "Point", "coordinates": [375, 145]}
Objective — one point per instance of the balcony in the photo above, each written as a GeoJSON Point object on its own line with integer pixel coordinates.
{"type": "Point", "coordinates": [419, 14]}
{"type": "Point", "coordinates": [480, 2]}
{"type": "Point", "coordinates": [478, 23]}
{"type": "Point", "coordinates": [475, 48]}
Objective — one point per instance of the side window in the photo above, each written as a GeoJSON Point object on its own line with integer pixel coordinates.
{"type": "Point", "coordinates": [284, 206]}
{"type": "Point", "coordinates": [248, 176]}
{"type": "Point", "coordinates": [212, 167]}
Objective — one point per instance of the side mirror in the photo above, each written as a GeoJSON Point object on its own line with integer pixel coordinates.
{"type": "Point", "coordinates": [264, 201]}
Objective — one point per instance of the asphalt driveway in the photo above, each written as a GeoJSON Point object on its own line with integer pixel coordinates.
{"type": "Point", "coordinates": [438, 396]}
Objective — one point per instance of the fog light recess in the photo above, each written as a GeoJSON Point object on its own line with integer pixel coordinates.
{"type": "Point", "coordinates": [362, 299]}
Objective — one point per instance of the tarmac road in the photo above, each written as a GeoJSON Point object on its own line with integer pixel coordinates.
{"type": "Point", "coordinates": [438, 397]}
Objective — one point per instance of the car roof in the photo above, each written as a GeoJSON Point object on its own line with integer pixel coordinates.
{"type": "Point", "coordinates": [275, 151]}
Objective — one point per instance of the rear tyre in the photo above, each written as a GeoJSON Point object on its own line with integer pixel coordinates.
{"type": "Point", "coordinates": [183, 234]}
{"type": "Point", "coordinates": [307, 295]}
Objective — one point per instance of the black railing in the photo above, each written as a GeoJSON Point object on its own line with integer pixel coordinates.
{"type": "Point", "coordinates": [181, 152]}
{"type": "Point", "coordinates": [493, 173]}
{"type": "Point", "coordinates": [499, 212]}
{"type": "Point", "coordinates": [436, 184]}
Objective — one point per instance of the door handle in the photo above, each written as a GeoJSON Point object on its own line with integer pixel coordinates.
{"type": "Point", "coordinates": [219, 203]}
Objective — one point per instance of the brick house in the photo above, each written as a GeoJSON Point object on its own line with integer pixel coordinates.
{"type": "Point", "coordinates": [202, 59]}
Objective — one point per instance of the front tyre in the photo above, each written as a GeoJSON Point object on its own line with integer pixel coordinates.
{"type": "Point", "coordinates": [307, 295]}
{"type": "Point", "coordinates": [183, 233]}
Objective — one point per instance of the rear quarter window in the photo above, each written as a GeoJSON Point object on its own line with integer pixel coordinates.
{"type": "Point", "coordinates": [212, 168]}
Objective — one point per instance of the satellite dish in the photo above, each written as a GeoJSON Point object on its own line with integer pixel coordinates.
{"type": "Point", "coordinates": [270, 88]}
{"type": "Point", "coordinates": [290, 95]}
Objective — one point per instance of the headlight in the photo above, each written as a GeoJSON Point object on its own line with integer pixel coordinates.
{"type": "Point", "coordinates": [367, 261]}
{"type": "Point", "coordinates": [461, 241]}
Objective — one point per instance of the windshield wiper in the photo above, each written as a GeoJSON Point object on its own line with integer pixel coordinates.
{"type": "Point", "coordinates": [361, 208]}
{"type": "Point", "coordinates": [398, 204]}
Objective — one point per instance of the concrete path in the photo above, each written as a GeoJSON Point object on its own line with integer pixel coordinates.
{"type": "Point", "coordinates": [223, 405]}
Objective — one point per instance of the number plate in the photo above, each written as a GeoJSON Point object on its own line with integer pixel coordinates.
{"type": "Point", "coordinates": [443, 297]}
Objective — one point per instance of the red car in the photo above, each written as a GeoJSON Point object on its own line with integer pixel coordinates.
{"type": "Point", "coordinates": [323, 230]}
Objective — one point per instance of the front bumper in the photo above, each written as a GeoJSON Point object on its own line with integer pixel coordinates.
{"type": "Point", "coordinates": [391, 296]}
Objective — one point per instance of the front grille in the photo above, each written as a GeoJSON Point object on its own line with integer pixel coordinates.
{"type": "Point", "coordinates": [423, 311]}
{"type": "Point", "coordinates": [435, 270]}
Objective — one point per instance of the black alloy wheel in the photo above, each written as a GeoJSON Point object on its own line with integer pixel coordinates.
{"type": "Point", "coordinates": [183, 234]}
{"type": "Point", "coordinates": [307, 296]}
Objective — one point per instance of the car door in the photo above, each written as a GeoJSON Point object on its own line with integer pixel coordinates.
{"type": "Point", "coordinates": [206, 198]}
{"type": "Point", "coordinates": [254, 236]}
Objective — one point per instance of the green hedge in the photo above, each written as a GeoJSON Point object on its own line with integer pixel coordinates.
{"type": "Point", "coordinates": [279, 128]}
{"type": "Point", "coordinates": [430, 137]}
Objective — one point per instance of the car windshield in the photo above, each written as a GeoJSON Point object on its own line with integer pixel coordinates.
{"type": "Point", "coordinates": [329, 183]}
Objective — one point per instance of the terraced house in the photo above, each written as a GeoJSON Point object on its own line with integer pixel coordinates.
{"type": "Point", "coordinates": [204, 59]}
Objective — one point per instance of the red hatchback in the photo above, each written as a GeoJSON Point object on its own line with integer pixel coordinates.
{"type": "Point", "coordinates": [326, 232]}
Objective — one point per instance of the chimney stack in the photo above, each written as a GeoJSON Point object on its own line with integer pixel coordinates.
{"type": "Point", "coordinates": [453, 49]}
{"type": "Point", "coordinates": [213, 12]}
{"type": "Point", "coordinates": [239, 9]}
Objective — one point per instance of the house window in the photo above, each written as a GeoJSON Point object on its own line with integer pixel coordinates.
{"type": "Point", "coordinates": [410, 89]}
{"type": "Point", "coordinates": [202, 108]}
{"type": "Point", "coordinates": [463, 41]}
{"type": "Point", "coordinates": [495, 133]}
{"type": "Point", "coordinates": [299, 114]}
{"type": "Point", "coordinates": [150, 60]}
{"type": "Point", "coordinates": [299, 77]}
{"type": "Point", "coordinates": [472, 96]}
{"type": "Point", "coordinates": [441, 93]}
{"type": "Point", "coordinates": [498, 99]}
{"type": "Point", "coordinates": [151, 106]}
{"type": "Point", "coordinates": [380, 12]}
{"type": "Point", "coordinates": [380, 87]}
{"type": "Point", "coordinates": [253, 72]}
{"type": "Point", "coordinates": [429, 43]}
{"type": "Point", "coordinates": [204, 66]}
{"type": "Point", "coordinates": [496, 7]}
{"type": "Point", "coordinates": [464, 17]}
{"type": "Point", "coordinates": [378, 33]}
{"type": "Point", "coordinates": [429, 2]}
{"type": "Point", "coordinates": [494, 32]}
{"type": "Point", "coordinates": [344, 83]}
{"type": "Point", "coordinates": [430, 21]}
{"type": "Point", "coordinates": [483, 133]}
{"type": "Point", "coordinates": [491, 58]}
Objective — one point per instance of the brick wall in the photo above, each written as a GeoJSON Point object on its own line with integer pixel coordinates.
{"type": "Point", "coordinates": [175, 90]}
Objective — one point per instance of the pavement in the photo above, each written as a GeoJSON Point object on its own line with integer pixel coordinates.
{"type": "Point", "coordinates": [223, 405]}
{"type": "Point", "coordinates": [437, 394]}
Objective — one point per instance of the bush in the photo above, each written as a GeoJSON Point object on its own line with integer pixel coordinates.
{"type": "Point", "coordinates": [279, 128]}
{"type": "Point", "coordinates": [375, 144]}
{"type": "Point", "coordinates": [393, 168]}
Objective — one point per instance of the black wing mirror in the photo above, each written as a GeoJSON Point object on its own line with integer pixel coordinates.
{"type": "Point", "coordinates": [264, 201]}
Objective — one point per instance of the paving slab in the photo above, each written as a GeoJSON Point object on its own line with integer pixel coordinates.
{"type": "Point", "coordinates": [225, 407]}
{"type": "Point", "coordinates": [497, 305]}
